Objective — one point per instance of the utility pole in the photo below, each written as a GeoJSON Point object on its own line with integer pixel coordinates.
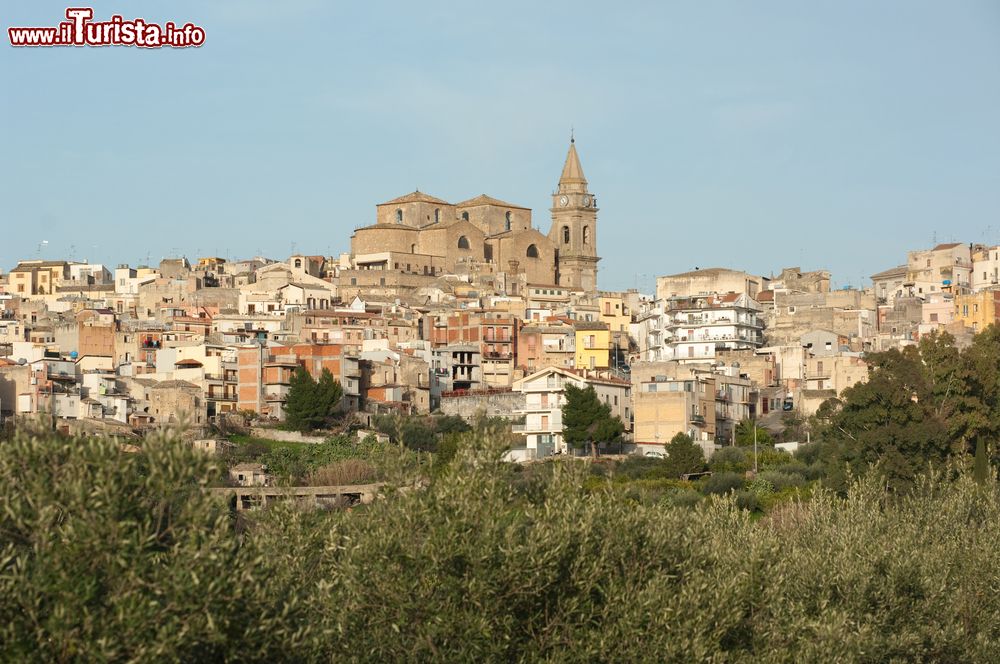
{"type": "Point", "coordinates": [754, 423]}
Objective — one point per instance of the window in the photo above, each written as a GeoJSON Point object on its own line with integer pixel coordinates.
{"type": "Point", "coordinates": [463, 242]}
{"type": "Point", "coordinates": [413, 248]}
{"type": "Point", "coordinates": [934, 318]}
{"type": "Point", "coordinates": [565, 234]}
{"type": "Point", "coordinates": [399, 216]}
{"type": "Point", "coordinates": [507, 221]}
{"type": "Point", "coordinates": [437, 215]}
{"type": "Point", "coordinates": [532, 251]}
{"type": "Point", "coordinates": [298, 262]}
{"type": "Point", "coordinates": [819, 367]}
{"type": "Point", "coordinates": [586, 234]}
{"type": "Point", "coordinates": [465, 216]}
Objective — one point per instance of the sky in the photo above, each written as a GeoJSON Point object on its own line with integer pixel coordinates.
{"type": "Point", "coordinates": [756, 136]}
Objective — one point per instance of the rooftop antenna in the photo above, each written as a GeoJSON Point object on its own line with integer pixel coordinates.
{"type": "Point", "coordinates": [572, 138]}
{"type": "Point", "coordinates": [43, 243]}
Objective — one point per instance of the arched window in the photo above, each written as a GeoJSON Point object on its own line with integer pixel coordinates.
{"type": "Point", "coordinates": [399, 216]}
{"type": "Point", "coordinates": [413, 248]}
{"type": "Point", "coordinates": [437, 215]}
{"type": "Point", "coordinates": [532, 251]}
{"type": "Point", "coordinates": [586, 234]}
{"type": "Point", "coordinates": [463, 242]}
{"type": "Point", "coordinates": [298, 262]}
{"type": "Point", "coordinates": [507, 219]}
{"type": "Point", "coordinates": [465, 216]}
{"type": "Point", "coordinates": [565, 234]}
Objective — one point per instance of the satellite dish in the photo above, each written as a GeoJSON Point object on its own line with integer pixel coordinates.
{"type": "Point", "coordinates": [21, 361]}
{"type": "Point", "coordinates": [73, 355]}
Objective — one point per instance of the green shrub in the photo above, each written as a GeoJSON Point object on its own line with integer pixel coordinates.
{"type": "Point", "coordinates": [780, 481]}
{"type": "Point", "coordinates": [731, 459]}
{"type": "Point", "coordinates": [722, 483]}
{"type": "Point", "coordinates": [115, 556]}
{"type": "Point", "coordinates": [747, 500]}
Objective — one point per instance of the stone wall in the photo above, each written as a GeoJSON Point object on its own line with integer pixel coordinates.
{"type": "Point", "coordinates": [285, 436]}
{"type": "Point", "coordinates": [496, 404]}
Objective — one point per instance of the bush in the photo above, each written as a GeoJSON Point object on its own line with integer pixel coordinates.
{"type": "Point", "coordinates": [730, 459]}
{"type": "Point", "coordinates": [808, 453]}
{"type": "Point", "coordinates": [780, 481]}
{"type": "Point", "coordinates": [722, 483]}
{"type": "Point", "coordinates": [642, 468]}
{"type": "Point", "coordinates": [747, 500]}
{"type": "Point", "coordinates": [116, 556]}
{"type": "Point", "coordinates": [348, 471]}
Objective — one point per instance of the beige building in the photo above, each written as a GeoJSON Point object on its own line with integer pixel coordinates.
{"type": "Point", "coordinates": [707, 281]}
{"type": "Point", "coordinates": [425, 237]}
{"type": "Point", "coordinates": [946, 267]}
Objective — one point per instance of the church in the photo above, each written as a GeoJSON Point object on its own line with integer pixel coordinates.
{"type": "Point", "coordinates": [421, 235]}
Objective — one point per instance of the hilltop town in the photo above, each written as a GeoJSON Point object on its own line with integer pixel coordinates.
{"type": "Point", "coordinates": [466, 308]}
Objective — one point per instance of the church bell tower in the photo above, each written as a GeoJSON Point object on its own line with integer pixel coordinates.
{"type": "Point", "coordinates": [574, 227]}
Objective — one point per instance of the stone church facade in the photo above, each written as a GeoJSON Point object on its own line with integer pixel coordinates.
{"type": "Point", "coordinates": [420, 235]}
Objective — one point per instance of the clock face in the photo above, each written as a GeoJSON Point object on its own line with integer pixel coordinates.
{"type": "Point", "coordinates": [564, 201]}
{"type": "Point", "coordinates": [586, 201]}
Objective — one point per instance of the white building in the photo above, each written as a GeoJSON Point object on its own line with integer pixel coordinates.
{"type": "Point", "coordinates": [544, 398]}
{"type": "Point", "coordinates": [691, 329]}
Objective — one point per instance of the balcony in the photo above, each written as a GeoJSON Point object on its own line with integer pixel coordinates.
{"type": "Point", "coordinates": [698, 420]}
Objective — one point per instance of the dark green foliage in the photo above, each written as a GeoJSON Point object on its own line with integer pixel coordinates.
{"type": "Point", "coordinates": [731, 459]}
{"type": "Point", "coordinates": [780, 481]}
{"type": "Point", "coordinates": [114, 556]}
{"type": "Point", "coordinates": [722, 483]}
{"type": "Point", "coordinates": [419, 435]}
{"type": "Point", "coordinates": [745, 437]}
{"type": "Point", "coordinates": [310, 404]}
{"type": "Point", "coordinates": [639, 468]}
{"type": "Point", "coordinates": [445, 424]}
{"type": "Point", "coordinates": [292, 463]}
{"type": "Point", "coordinates": [981, 468]}
{"type": "Point", "coordinates": [921, 406]}
{"type": "Point", "coordinates": [808, 453]}
{"type": "Point", "coordinates": [683, 456]}
{"type": "Point", "coordinates": [588, 421]}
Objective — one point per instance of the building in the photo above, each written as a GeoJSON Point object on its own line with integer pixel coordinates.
{"type": "Point", "coordinates": [888, 284]}
{"type": "Point", "coordinates": [946, 267]}
{"type": "Point", "coordinates": [977, 311]}
{"type": "Point", "coordinates": [544, 394]}
{"type": "Point", "coordinates": [417, 238]}
{"type": "Point", "coordinates": [593, 345]}
{"type": "Point", "coordinates": [707, 281]}
{"type": "Point", "coordinates": [693, 328]}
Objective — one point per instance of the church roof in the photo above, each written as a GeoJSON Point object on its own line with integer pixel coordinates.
{"type": "Point", "coordinates": [483, 199]}
{"type": "Point", "coordinates": [572, 172]}
{"type": "Point", "coordinates": [416, 197]}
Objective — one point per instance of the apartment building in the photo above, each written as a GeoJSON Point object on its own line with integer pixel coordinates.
{"type": "Point", "coordinates": [544, 394]}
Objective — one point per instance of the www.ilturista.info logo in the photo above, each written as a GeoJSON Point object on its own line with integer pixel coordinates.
{"type": "Point", "coordinates": [80, 30]}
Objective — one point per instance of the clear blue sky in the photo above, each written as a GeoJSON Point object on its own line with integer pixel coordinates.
{"type": "Point", "coordinates": [757, 135]}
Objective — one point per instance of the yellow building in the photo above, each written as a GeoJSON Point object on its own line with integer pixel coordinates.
{"type": "Point", "coordinates": [614, 312]}
{"type": "Point", "coordinates": [593, 345]}
{"type": "Point", "coordinates": [977, 310]}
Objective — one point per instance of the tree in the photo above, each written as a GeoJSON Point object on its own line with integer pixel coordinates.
{"type": "Point", "coordinates": [329, 394]}
{"type": "Point", "coordinates": [745, 435]}
{"type": "Point", "coordinates": [310, 403]}
{"type": "Point", "coordinates": [588, 421]}
{"type": "Point", "coordinates": [683, 456]}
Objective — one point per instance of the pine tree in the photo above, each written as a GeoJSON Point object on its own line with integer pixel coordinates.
{"type": "Point", "coordinates": [329, 393]}
{"type": "Point", "coordinates": [300, 405]}
{"type": "Point", "coordinates": [587, 421]}
{"type": "Point", "coordinates": [683, 456]}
